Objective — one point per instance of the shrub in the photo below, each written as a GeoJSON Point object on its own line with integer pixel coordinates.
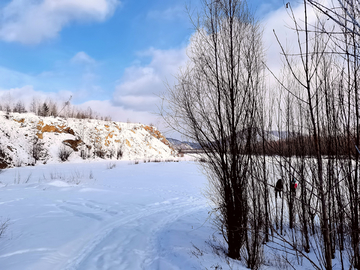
{"type": "Point", "coordinates": [3, 226]}
{"type": "Point", "coordinates": [2, 153]}
{"type": "Point", "coordinates": [18, 163]}
{"type": "Point", "coordinates": [83, 154]}
{"type": "Point", "coordinates": [111, 165]}
{"type": "Point", "coordinates": [111, 153]}
{"type": "Point", "coordinates": [119, 153]}
{"type": "Point", "coordinates": [37, 150]}
{"type": "Point", "coordinates": [100, 153]}
{"type": "Point", "coordinates": [64, 153]}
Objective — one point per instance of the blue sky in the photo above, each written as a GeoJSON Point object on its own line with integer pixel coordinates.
{"type": "Point", "coordinates": [112, 55]}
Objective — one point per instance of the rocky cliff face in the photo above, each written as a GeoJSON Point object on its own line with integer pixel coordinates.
{"type": "Point", "coordinates": [26, 139]}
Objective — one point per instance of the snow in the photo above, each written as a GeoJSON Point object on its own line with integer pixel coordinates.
{"type": "Point", "coordinates": [87, 216]}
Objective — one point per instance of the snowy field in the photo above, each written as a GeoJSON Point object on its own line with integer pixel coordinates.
{"type": "Point", "coordinates": [116, 215]}
{"type": "Point", "coordinates": [106, 215]}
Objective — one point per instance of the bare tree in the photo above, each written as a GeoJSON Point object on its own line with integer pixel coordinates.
{"type": "Point", "coordinates": [19, 107]}
{"type": "Point", "coordinates": [215, 104]}
{"type": "Point", "coordinates": [37, 149]}
{"type": "Point", "coordinates": [312, 79]}
{"type": "Point", "coordinates": [344, 13]}
{"type": "Point", "coordinates": [34, 105]}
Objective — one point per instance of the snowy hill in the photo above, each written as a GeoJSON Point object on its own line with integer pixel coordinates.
{"type": "Point", "coordinates": [27, 139]}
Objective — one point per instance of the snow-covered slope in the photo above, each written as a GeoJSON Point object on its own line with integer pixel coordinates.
{"type": "Point", "coordinates": [26, 139]}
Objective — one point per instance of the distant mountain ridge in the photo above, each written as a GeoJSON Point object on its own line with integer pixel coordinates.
{"type": "Point", "coordinates": [183, 145]}
{"type": "Point", "coordinates": [26, 139]}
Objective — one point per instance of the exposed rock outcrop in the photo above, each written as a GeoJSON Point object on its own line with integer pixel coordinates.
{"type": "Point", "coordinates": [20, 133]}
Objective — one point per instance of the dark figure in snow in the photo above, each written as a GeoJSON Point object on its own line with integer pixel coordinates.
{"type": "Point", "coordinates": [293, 186]}
{"type": "Point", "coordinates": [278, 188]}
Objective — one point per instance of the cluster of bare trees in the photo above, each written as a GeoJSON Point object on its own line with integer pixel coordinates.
{"type": "Point", "coordinates": [219, 102]}
{"type": "Point", "coordinates": [321, 100]}
{"type": "Point", "coordinates": [50, 108]}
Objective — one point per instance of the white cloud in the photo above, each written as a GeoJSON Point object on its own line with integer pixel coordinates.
{"type": "Point", "coordinates": [135, 97]}
{"type": "Point", "coordinates": [26, 93]}
{"type": "Point", "coordinates": [171, 13]}
{"type": "Point", "coordinates": [101, 107]}
{"type": "Point", "coordinates": [139, 103]}
{"type": "Point", "coordinates": [11, 78]}
{"type": "Point", "coordinates": [119, 113]}
{"type": "Point", "coordinates": [82, 58]}
{"type": "Point", "coordinates": [31, 22]}
{"type": "Point", "coordinates": [77, 75]}
{"type": "Point", "coordinates": [140, 85]}
{"type": "Point", "coordinates": [282, 23]}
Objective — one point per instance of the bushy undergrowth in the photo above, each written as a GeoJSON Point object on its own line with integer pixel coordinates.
{"type": "Point", "coordinates": [74, 178]}
{"type": "Point", "coordinates": [64, 153]}
{"type": "Point", "coordinates": [111, 165]}
{"type": "Point", "coordinates": [18, 179]}
{"type": "Point", "coordinates": [119, 153]}
{"type": "Point", "coordinates": [3, 226]}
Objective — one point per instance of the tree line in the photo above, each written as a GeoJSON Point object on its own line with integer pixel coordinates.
{"type": "Point", "coordinates": [49, 107]}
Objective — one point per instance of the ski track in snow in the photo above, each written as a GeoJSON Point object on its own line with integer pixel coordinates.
{"type": "Point", "coordinates": [106, 247]}
{"type": "Point", "coordinates": [105, 224]}
{"type": "Point", "coordinates": [24, 251]}
{"type": "Point", "coordinates": [111, 244]}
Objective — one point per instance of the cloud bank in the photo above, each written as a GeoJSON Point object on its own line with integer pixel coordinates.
{"type": "Point", "coordinates": [140, 85]}
{"type": "Point", "coordinates": [33, 21]}
{"type": "Point", "coordinates": [82, 58]}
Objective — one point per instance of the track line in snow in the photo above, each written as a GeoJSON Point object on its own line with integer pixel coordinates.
{"type": "Point", "coordinates": [25, 251]}
{"type": "Point", "coordinates": [106, 235]}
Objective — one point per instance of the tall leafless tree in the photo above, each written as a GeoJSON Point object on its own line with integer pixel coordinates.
{"type": "Point", "coordinates": [215, 103]}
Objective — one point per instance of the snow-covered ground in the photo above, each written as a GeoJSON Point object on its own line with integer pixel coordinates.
{"type": "Point", "coordinates": [118, 215]}
{"type": "Point", "coordinates": [106, 215]}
